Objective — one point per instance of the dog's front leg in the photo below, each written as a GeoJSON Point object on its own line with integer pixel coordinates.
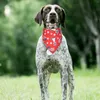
{"type": "Point", "coordinates": [70, 81]}
{"type": "Point", "coordinates": [64, 81]}
{"type": "Point", "coordinates": [46, 76]}
{"type": "Point", "coordinates": [44, 95]}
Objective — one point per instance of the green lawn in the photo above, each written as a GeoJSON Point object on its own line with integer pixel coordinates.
{"type": "Point", "coordinates": [87, 87]}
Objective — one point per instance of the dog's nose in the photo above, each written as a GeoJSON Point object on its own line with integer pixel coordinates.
{"type": "Point", "coordinates": [52, 14]}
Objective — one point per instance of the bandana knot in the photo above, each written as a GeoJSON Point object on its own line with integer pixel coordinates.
{"type": "Point", "coordinates": [52, 39]}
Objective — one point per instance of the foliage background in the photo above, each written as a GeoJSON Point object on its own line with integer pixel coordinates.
{"type": "Point", "coordinates": [18, 38]}
{"type": "Point", "coordinates": [19, 34]}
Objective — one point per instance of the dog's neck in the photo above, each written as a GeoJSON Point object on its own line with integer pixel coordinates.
{"type": "Point", "coordinates": [52, 26]}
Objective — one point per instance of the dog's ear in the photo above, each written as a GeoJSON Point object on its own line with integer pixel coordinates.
{"type": "Point", "coordinates": [39, 16]}
{"type": "Point", "coordinates": [63, 17]}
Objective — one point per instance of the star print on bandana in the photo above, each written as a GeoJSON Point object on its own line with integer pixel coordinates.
{"type": "Point", "coordinates": [52, 39]}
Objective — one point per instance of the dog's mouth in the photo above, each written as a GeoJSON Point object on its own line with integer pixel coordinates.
{"type": "Point", "coordinates": [52, 21]}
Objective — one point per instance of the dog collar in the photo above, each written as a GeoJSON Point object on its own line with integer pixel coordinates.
{"type": "Point", "coordinates": [52, 39]}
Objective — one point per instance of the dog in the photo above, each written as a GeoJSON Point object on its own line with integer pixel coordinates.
{"type": "Point", "coordinates": [54, 57]}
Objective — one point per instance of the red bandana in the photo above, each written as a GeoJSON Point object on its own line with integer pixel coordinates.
{"type": "Point", "coordinates": [52, 39]}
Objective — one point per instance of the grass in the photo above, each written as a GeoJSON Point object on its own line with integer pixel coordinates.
{"type": "Point", "coordinates": [87, 87]}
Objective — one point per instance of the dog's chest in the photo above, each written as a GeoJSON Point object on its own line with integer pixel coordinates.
{"type": "Point", "coordinates": [52, 62]}
{"type": "Point", "coordinates": [52, 65]}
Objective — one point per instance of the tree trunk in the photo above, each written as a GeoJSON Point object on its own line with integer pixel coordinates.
{"type": "Point", "coordinates": [83, 62]}
{"type": "Point", "coordinates": [95, 32]}
{"type": "Point", "coordinates": [97, 45]}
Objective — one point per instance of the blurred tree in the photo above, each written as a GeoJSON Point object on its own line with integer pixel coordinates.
{"type": "Point", "coordinates": [78, 34]}
{"type": "Point", "coordinates": [25, 39]}
{"type": "Point", "coordinates": [18, 36]}
{"type": "Point", "coordinates": [91, 11]}
{"type": "Point", "coordinates": [3, 57]}
{"type": "Point", "coordinates": [2, 5]}
{"type": "Point", "coordinates": [19, 33]}
{"type": "Point", "coordinates": [4, 38]}
{"type": "Point", "coordinates": [52, 1]}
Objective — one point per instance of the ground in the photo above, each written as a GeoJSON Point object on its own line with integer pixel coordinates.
{"type": "Point", "coordinates": [87, 87]}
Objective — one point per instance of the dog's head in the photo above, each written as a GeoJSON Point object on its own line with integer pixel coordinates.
{"type": "Point", "coordinates": [51, 14]}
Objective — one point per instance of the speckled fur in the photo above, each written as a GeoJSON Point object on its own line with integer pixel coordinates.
{"type": "Point", "coordinates": [60, 61]}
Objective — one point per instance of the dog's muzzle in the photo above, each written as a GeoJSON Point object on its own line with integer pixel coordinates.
{"type": "Point", "coordinates": [53, 18]}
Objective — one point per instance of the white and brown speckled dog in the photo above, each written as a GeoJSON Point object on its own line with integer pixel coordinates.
{"type": "Point", "coordinates": [60, 61]}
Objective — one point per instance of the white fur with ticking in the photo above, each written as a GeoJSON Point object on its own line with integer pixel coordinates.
{"type": "Point", "coordinates": [60, 61]}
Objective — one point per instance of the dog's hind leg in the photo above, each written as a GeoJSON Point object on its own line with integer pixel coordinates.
{"type": "Point", "coordinates": [70, 81]}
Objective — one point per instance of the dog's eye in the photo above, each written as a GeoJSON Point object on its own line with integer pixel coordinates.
{"type": "Point", "coordinates": [47, 9]}
{"type": "Point", "coordinates": [57, 10]}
